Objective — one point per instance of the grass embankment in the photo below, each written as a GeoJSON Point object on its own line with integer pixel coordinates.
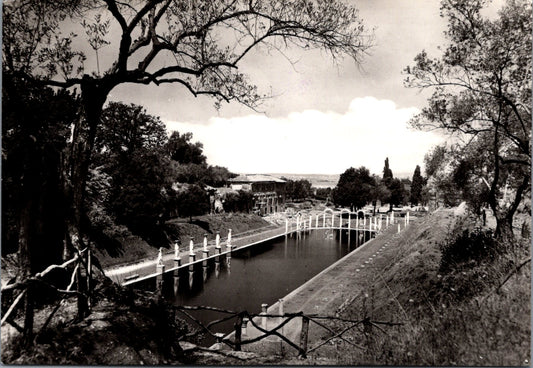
{"type": "Point", "coordinates": [131, 248]}
{"type": "Point", "coordinates": [454, 309]}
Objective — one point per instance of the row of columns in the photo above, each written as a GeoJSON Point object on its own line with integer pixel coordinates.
{"type": "Point", "coordinates": [373, 223]}
{"type": "Point", "coordinates": [160, 266]}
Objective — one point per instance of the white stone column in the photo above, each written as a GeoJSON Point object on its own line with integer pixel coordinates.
{"type": "Point", "coordinates": [205, 251]}
{"type": "Point", "coordinates": [177, 259]}
{"type": "Point", "coordinates": [217, 243]}
{"type": "Point", "coordinates": [192, 256]}
{"type": "Point", "coordinates": [228, 244]}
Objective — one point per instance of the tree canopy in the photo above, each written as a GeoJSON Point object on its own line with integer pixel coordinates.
{"type": "Point", "coordinates": [354, 188]}
{"type": "Point", "coordinates": [482, 95]}
{"type": "Point", "coordinates": [416, 186]}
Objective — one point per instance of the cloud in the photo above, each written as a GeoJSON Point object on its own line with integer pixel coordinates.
{"type": "Point", "coordinates": [313, 141]}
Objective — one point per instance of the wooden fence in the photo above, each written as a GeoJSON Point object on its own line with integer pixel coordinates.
{"type": "Point", "coordinates": [236, 339]}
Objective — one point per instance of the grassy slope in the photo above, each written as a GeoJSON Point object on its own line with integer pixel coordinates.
{"type": "Point", "coordinates": [453, 318]}
{"type": "Point", "coordinates": [131, 249]}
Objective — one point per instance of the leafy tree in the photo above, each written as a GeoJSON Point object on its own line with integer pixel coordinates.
{"type": "Point", "coordinates": [139, 197]}
{"type": "Point", "coordinates": [126, 129]}
{"type": "Point", "coordinates": [416, 186]}
{"type": "Point", "coordinates": [129, 149]}
{"type": "Point", "coordinates": [438, 164]}
{"type": "Point", "coordinates": [380, 192]}
{"type": "Point", "coordinates": [183, 151]}
{"type": "Point", "coordinates": [193, 201]}
{"type": "Point", "coordinates": [387, 173]}
{"type": "Point", "coordinates": [242, 201]}
{"type": "Point", "coordinates": [35, 130]}
{"type": "Point", "coordinates": [397, 192]}
{"type": "Point", "coordinates": [298, 189]}
{"type": "Point", "coordinates": [323, 193]}
{"type": "Point", "coordinates": [354, 189]}
{"type": "Point", "coordinates": [218, 176]}
{"type": "Point", "coordinates": [482, 94]}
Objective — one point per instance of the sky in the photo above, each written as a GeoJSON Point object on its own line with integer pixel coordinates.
{"type": "Point", "coordinates": [323, 117]}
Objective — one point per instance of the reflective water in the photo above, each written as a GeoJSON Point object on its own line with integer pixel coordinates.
{"type": "Point", "coordinates": [259, 274]}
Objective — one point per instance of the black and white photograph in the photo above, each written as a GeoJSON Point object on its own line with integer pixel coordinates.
{"type": "Point", "coordinates": [266, 182]}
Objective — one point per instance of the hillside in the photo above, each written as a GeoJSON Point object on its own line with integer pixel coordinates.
{"type": "Point", "coordinates": [132, 249]}
{"type": "Point", "coordinates": [470, 312]}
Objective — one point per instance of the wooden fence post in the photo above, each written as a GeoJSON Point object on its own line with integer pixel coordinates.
{"type": "Point", "coordinates": [89, 281]}
{"type": "Point", "coordinates": [82, 299]}
{"type": "Point", "coordinates": [238, 331]}
{"type": "Point", "coordinates": [303, 337]}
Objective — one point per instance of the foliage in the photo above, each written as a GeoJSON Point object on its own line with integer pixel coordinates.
{"type": "Point", "coordinates": [354, 188]}
{"type": "Point", "coordinates": [140, 194]}
{"type": "Point", "coordinates": [397, 192]}
{"type": "Point", "coordinates": [192, 201]}
{"type": "Point", "coordinates": [387, 173]}
{"type": "Point", "coordinates": [35, 130]}
{"type": "Point", "coordinates": [126, 129]}
{"type": "Point", "coordinates": [203, 62]}
{"type": "Point", "coordinates": [298, 189]}
{"type": "Point", "coordinates": [416, 186]}
{"type": "Point", "coordinates": [180, 149]}
{"type": "Point", "coordinates": [242, 201]}
{"type": "Point", "coordinates": [202, 174]}
{"type": "Point", "coordinates": [469, 248]}
{"type": "Point", "coordinates": [482, 95]}
{"type": "Point", "coordinates": [131, 176]}
{"type": "Point", "coordinates": [323, 193]}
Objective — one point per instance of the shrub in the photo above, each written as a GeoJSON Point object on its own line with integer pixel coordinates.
{"type": "Point", "coordinates": [469, 248]}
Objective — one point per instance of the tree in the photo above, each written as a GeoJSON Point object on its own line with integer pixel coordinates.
{"type": "Point", "coordinates": [180, 149]}
{"type": "Point", "coordinates": [416, 186]}
{"type": "Point", "coordinates": [193, 201]}
{"type": "Point", "coordinates": [35, 130]}
{"type": "Point", "coordinates": [482, 95]}
{"type": "Point", "coordinates": [323, 193]}
{"type": "Point", "coordinates": [354, 188]}
{"type": "Point", "coordinates": [298, 189]}
{"type": "Point", "coordinates": [380, 192]}
{"type": "Point", "coordinates": [126, 129]}
{"type": "Point", "coordinates": [129, 148]}
{"type": "Point", "coordinates": [242, 201]}
{"type": "Point", "coordinates": [397, 192]}
{"type": "Point", "coordinates": [139, 195]}
{"type": "Point", "coordinates": [387, 173]}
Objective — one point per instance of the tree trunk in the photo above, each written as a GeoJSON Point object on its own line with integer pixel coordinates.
{"type": "Point", "coordinates": [504, 230]}
{"type": "Point", "coordinates": [24, 258]}
{"type": "Point", "coordinates": [93, 98]}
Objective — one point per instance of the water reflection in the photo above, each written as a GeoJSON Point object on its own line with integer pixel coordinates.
{"type": "Point", "coordinates": [259, 274]}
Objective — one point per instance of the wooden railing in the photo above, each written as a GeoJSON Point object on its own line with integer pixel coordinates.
{"type": "Point", "coordinates": [239, 337]}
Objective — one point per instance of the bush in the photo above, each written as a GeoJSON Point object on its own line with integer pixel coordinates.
{"type": "Point", "coordinates": [469, 248]}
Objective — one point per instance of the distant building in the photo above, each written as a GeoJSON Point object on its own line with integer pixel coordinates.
{"type": "Point", "coordinates": [269, 191]}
